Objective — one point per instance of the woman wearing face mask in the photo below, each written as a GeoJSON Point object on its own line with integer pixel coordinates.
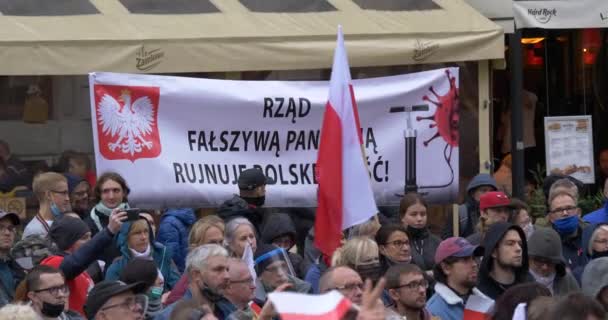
{"type": "Point", "coordinates": [280, 231]}
{"type": "Point", "coordinates": [135, 241]}
{"type": "Point", "coordinates": [423, 244]}
{"type": "Point", "coordinates": [595, 241]}
{"type": "Point", "coordinates": [110, 192]}
{"type": "Point", "coordinates": [240, 233]}
{"type": "Point", "coordinates": [360, 254]}
{"type": "Point", "coordinates": [521, 216]}
{"type": "Point", "coordinates": [141, 270]}
{"type": "Point", "coordinates": [207, 230]}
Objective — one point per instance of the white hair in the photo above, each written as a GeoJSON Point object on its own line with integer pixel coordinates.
{"type": "Point", "coordinates": [18, 312]}
{"type": "Point", "coordinates": [197, 257]}
{"type": "Point", "coordinates": [234, 224]}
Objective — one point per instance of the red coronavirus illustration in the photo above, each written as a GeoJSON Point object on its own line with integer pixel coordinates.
{"type": "Point", "coordinates": [446, 117]}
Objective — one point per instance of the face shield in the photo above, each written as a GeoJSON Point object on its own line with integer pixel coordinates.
{"type": "Point", "coordinates": [274, 268]}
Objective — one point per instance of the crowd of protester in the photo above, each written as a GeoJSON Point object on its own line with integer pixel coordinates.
{"type": "Point", "coordinates": [87, 254]}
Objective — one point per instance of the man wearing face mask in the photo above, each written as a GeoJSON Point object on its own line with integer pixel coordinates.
{"type": "Point", "coordinates": [564, 216]}
{"type": "Point", "coordinates": [248, 203]}
{"type": "Point", "coordinates": [48, 294]}
{"type": "Point", "coordinates": [547, 264]}
{"type": "Point", "coordinates": [280, 231]}
{"type": "Point", "coordinates": [207, 268]}
{"type": "Point", "coordinates": [53, 195]}
{"type": "Point", "coordinates": [274, 269]}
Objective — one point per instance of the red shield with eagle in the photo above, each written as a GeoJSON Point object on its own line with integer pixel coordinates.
{"type": "Point", "coordinates": [127, 121]}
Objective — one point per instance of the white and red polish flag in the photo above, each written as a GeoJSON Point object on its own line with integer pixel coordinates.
{"type": "Point", "coordinates": [478, 308]}
{"type": "Point", "coordinates": [345, 196]}
{"type": "Point", "coordinates": [298, 306]}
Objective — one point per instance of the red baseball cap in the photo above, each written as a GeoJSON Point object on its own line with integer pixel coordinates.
{"type": "Point", "coordinates": [494, 199]}
{"type": "Point", "coordinates": [456, 247]}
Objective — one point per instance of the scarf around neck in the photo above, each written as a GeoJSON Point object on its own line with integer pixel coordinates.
{"type": "Point", "coordinates": [101, 208]}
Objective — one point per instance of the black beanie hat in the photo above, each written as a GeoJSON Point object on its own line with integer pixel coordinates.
{"type": "Point", "coordinates": [66, 231]}
{"type": "Point", "coordinates": [264, 256]}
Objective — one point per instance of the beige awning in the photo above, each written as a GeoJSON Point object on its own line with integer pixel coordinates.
{"type": "Point", "coordinates": [166, 36]}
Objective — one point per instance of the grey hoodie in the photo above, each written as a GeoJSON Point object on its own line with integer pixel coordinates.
{"type": "Point", "coordinates": [595, 277]}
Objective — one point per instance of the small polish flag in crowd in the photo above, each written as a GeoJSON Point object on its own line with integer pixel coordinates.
{"type": "Point", "coordinates": [478, 308]}
{"type": "Point", "coordinates": [345, 194]}
{"type": "Point", "coordinates": [298, 306]}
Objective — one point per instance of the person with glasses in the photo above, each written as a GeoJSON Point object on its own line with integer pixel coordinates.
{"type": "Point", "coordinates": [345, 280]}
{"type": "Point", "coordinates": [595, 241]}
{"type": "Point", "coordinates": [79, 190]}
{"type": "Point", "coordinates": [394, 246]}
{"type": "Point", "coordinates": [10, 273]}
{"type": "Point", "coordinates": [207, 230]}
{"type": "Point", "coordinates": [115, 300]}
{"type": "Point", "coordinates": [564, 216]}
{"type": "Point", "coordinates": [53, 195]}
{"type": "Point", "coordinates": [48, 294]}
{"type": "Point", "coordinates": [240, 291]}
{"type": "Point", "coordinates": [547, 264]}
{"type": "Point", "coordinates": [455, 271]}
{"type": "Point", "coordinates": [78, 251]}
{"type": "Point", "coordinates": [406, 287]}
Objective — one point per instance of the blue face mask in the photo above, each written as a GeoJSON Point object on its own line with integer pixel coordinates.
{"type": "Point", "coordinates": [566, 226]}
{"type": "Point", "coordinates": [55, 211]}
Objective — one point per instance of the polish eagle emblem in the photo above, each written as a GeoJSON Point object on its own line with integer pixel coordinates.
{"type": "Point", "coordinates": [127, 124]}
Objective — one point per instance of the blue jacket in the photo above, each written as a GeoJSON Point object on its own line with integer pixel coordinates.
{"type": "Point", "coordinates": [446, 304]}
{"type": "Point", "coordinates": [598, 216]}
{"type": "Point", "coordinates": [9, 278]}
{"type": "Point", "coordinates": [160, 254]}
{"type": "Point", "coordinates": [173, 233]}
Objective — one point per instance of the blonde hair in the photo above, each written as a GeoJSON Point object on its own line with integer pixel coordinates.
{"type": "Point", "coordinates": [365, 229]}
{"type": "Point", "coordinates": [354, 251]}
{"type": "Point", "coordinates": [139, 226]}
{"type": "Point", "coordinates": [602, 227]}
{"type": "Point", "coordinates": [45, 182]}
{"type": "Point", "coordinates": [18, 312]}
{"type": "Point", "coordinates": [200, 228]}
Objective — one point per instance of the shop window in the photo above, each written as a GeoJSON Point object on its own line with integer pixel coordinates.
{"type": "Point", "coordinates": [46, 7]}
{"type": "Point", "coordinates": [25, 98]}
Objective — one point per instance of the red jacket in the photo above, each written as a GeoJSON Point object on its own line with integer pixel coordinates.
{"type": "Point", "coordinates": [79, 286]}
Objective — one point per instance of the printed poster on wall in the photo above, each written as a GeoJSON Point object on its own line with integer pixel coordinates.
{"type": "Point", "coordinates": [183, 141]}
{"type": "Point", "coordinates": [569, 147]}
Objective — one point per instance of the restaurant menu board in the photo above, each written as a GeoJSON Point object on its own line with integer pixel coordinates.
{"type": "Point", "coordinates": [569, 147]}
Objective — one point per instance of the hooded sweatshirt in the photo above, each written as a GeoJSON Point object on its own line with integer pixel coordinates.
{"type": "Point", "coordinates": [173, 233]}
{"type": "Point", "coordinates": [238, 207]}
{"type": "Point", "coordinates": [160, 254]}
{"type": "Point", "coordinates": [468, 212]}
{"type": "Point", "coordinates": [487, 284]}
{"type": "Point", "coordinates": [280, 224]}
{"type": "Point", "coordinates": [595, 277]}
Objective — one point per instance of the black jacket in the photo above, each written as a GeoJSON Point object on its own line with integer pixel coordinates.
{"type": "Point", "coordinates": [77, 262]}
{"type": "Point", "coordinates": [110, 252]}
{"type": "Point", "coordinates": [238, 207]}
{"type": "Point", "coordinates": [280, 224]}
{"type": "Point", "coordinates": [423, 246]}
{"type": "Point", "coordinates": [487, 284]}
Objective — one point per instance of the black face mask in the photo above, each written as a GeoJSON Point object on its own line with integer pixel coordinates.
{"type": "Point", "coordinates": [416, 232]}
{"type": "Point", "coordinates": [256, 201]}
{"type": "Point", "coordinates": [52, 310]}
{"type": "Point", "coordinates": [596, 254]}
{"type": "Point", "coordinates": [372, 271]}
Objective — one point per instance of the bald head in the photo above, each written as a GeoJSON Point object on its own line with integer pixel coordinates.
{"type": "Point", "coordinates": [345, 280]}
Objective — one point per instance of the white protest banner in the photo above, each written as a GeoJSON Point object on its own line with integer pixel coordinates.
{"type": "Point", "coordinates": [183, 142]}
